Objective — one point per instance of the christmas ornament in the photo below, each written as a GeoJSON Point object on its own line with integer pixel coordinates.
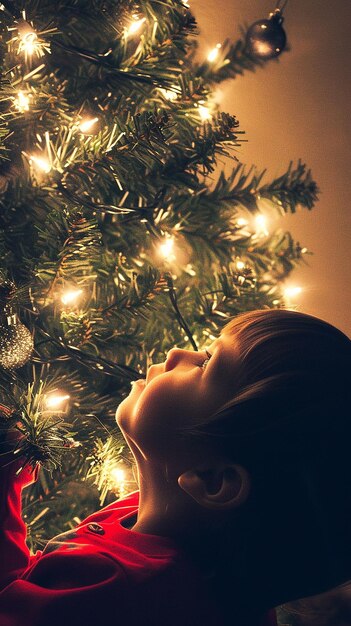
{"type": "Point", "coordinates": [16, 341]}
{"type": "Point", "coordinates": [266, 39]}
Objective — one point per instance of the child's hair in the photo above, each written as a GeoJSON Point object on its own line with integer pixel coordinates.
{"type": "Point", "coordinates": [288, 423]}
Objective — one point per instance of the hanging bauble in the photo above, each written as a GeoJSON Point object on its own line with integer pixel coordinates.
{"type": "Point", "coordinates": [16, 341]}
{"type": "Point", "coordinates": [266, 39]}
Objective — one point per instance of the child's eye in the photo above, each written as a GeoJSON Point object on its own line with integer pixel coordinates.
{"type": "Point", "coordinates": [205, 362]}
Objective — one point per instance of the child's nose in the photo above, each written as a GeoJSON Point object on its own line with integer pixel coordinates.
{"type": "Point", "coordinates": [177, 355]}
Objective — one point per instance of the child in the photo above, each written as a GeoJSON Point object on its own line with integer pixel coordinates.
{"type": "Point", "coordinates": [244, 502]}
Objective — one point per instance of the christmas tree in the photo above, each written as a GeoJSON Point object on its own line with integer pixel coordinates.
{"type": "Point", "coordinates": [118, 240]}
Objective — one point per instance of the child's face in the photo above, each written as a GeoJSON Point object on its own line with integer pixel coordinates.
{"type": "Point", "coordinates": [176, 393]}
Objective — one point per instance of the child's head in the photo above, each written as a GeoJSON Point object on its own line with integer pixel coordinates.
{"type": "Point", "coordinates": [273, 402]}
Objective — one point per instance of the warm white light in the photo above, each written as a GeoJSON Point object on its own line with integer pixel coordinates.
{"type": "Point", "coordinates": [169, 94]}
{"type": "Point", "coordinates": [204, 113]}
{"type": "Point", "coordinates": [54, 401]}
{"type": "Point", "coordinates": [28, 43]}
{"type": "Point", "coordinates": [240, 265]}
{"type": "Point", "coordinates": [87, 125]}
{"type": "Point", "coordinates": [212, 56]}
{"type": "Point", "coordinates": [42, 164]}
{"type": "Point", "coordinates": [291, 292]}
{"type": "Point", "coordinates": [261, 225]}
{"type": "Point", "coordinates": [263, 48]}
{"type": "Point", "coordinates": [69, 297]}
{"type": "Point", "coordinates": [21, 102]}
{"type": "Point", "coordinates": [118, 478]}
{"type": "Point", "coordinates": [166, 249]}
{"type": "Point", "coordinates": [135, 26]}
{"type": "Point", "coordinates": [241, 222]}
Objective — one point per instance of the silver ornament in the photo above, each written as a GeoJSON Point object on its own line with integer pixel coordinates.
{"type": "Point", "coordinates": [16, 342]}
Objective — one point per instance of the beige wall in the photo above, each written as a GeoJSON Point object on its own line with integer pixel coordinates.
{"type": "Point", "coordinates": [299, 107]}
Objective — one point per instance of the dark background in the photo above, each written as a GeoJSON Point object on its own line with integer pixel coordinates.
{"type": "Point", "coordinates": [298, 107]}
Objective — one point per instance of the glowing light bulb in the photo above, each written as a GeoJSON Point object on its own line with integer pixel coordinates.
{"type": "Point", "coordinates": [169, 94]}
{"type": "Point", "coordinates": [241, 222]}
{"type": "Point", "coordinates": [240, 265]}
{"type": "Point", "coordinates": [135, 26]}
{"type": "Point", "coordinates": [166, 249]}
{"type": "Point", "coordinates": [21, 102]}
{"type": "Point", "coordinates": [261, 225]}
{"type": "Point", "coordinates": [118, 479]}
{"type": "Point", "coordinates": [69, 297]}
{"type": "Point", "coordinates": [204, 113]}
{"type": "Point", "coordinates": [291, 292]}
{"type": "Point", "coordinates": [28, 43]}
{"type": "Point", "coordinates": [42, 164]}
{"type": "Point", "coordinates": [55, 401]}
{"type": "Point", "coordinates": [87, 125]}
{"type": "Point", "coordinates": [212, 56]}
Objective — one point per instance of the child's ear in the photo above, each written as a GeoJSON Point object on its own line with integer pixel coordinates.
{"type": "Point", "coordinates": [224, 487]}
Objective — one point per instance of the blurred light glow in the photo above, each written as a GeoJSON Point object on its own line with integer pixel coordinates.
{"type": "Point", "coordinates": [204, 112]}
{"type": "Point", "coordinates": [241, 222]}
{"type": "Point", "coordinates": [135, 26]}
{"type": "Point", "coordinates": [212, 56]}
{"type": "Point", "coordinates": [166, 249]}
{"type": "Point", "coordinates": [55, 400]}
{"type": "Point", "coordinates": [87, 125]}
{"type": "Point", "coordinates": [262, 48]}
{"type": "Point", "coordinates": [169, 94]}
{"type": "Point", "coordinates": [291, 292]}
{"type": "Point", "coordinates": [261, 225]}
{"type": "Point", "coordinates": [240, 265]}
{"type": "Point", "coordinates": [118, 479]}
{"type": "Point", "coordinates": [41, 164]}
{"type": "Point", "coordinates": [28, 43]}
{"type": "Point", "coordinates": [21, 102]}
{"type": "Point", "coordinates": [69, 296]}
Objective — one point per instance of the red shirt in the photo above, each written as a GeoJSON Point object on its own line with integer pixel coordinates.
{"type": "Point", "coordinates": [98, 573]}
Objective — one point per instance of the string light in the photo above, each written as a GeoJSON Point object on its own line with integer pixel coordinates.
{"type": "Point", "coordinates": [87, 125]}
{"type": "Point", "coordinates": [135, 26]}
{"type": "Point", "coordinates": [166, 248]}
{"type": "Point", "coordinates": [204, 112]}
{"type": "Point", "coordinates": [118, 480]}
{"type": "Point", "coordinates": [212, 56]}
{"type": "Point", "coordinates": [169, 94]}
{"type": "Point", "coordinates": [240, 265]}
{"type": "Point", "coordinates": [261, 225]}
{"type": "Point", "coordinates": [29, 42]}
{"type": "Point", "coordinates": [21, 102]}
{"type": "Point", "coordinates": [242, 222]}
{"type": "Point", "coordinates": [69, 297]}
{"type": "Point", "coordinates": [55, 401]}
{"type": "Point", "coordinates": [42, 164]}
